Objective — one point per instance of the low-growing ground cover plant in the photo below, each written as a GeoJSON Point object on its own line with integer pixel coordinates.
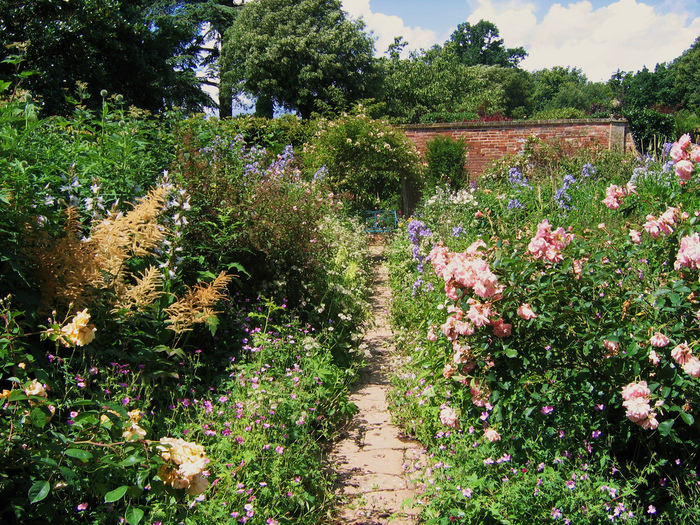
{"type": "Point", "coordinates": [550, 348]}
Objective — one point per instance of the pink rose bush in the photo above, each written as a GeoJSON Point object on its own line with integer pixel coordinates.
{"type": "Point", "coordinates": [463, 273]}
{"type": "Point", "coordinates": [547, 244]}
{"type": "Point", "coordinates": [636, 401]}
{"type": "Point", "coordinates": [685, 155]}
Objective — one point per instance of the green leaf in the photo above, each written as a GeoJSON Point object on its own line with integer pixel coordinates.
{"type": "Point", "coordinates": [131, 460]}
{"type": "Point", "coordinates": [68, 474]}
{"type": "Point", "coordinates": [511, 352]}
{"type": "Point", "coordinates": [39, 491]}
{"type": "Point", "coordinates": [666, 426]}
{"type": "Point", "coordinates": [133, 516]}
{"type": "Point", "coordinates": [82, 455]}
{"type": "Point", "coordinates": [213, 323]}
{"type": "Point", "coordinates": [116, 494]}
{"type": "Point", "coordinates": [38, 418]}
{"type": "Point", "coordinates": [687, 418]}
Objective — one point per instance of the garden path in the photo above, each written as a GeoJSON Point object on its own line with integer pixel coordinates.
{"type": "Point", "coordinates": [372, 460]}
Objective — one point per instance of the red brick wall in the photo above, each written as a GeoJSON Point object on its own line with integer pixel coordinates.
{"type": "Point", "coordinates": [489, 141]}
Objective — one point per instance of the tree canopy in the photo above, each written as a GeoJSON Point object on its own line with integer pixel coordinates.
{"type": "Point", "coordinates": [480, 44]}
{"type": "Point", "coordinates": [139, 49]}
{"type": "Point", "coordinates": [302, 55]}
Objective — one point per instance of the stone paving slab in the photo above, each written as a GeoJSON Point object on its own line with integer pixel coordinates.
{"type": "Point", "coordinates": [374, 466]}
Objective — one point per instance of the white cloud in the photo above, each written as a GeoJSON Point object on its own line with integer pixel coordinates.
{"type": "Point", "coordinates": [625, 35]}
{"type": "Point", "coordinates": [385, 28]}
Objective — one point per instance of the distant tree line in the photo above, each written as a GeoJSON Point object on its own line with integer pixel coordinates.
{"type": "Point", "coordinates": [308, 57]}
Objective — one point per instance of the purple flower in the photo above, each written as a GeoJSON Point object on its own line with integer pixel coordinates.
{"type": "Point", "coordinates": [547, 409]}
{"type": "Point", "coordinates": [556, 513]}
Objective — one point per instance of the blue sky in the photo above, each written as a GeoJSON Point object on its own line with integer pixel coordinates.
{"type": "Point", "coordinates": [597, 36]}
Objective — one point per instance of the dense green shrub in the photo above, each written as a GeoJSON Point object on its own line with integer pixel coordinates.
{"type": "Point", "coordinates": [650, 128]}
{"type": "Point", "coordinates": [369, 161]}
{"type": "Point", "coordinates": [446, 158]}
{"type": "Point", "coordinates": [558, 113]}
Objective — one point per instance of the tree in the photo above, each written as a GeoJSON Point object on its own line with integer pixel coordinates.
{"type": "Point", "coordinates": [549, 82]}
{"type": "Point", "coordinates": [136, 48]}
{"type": "Point", "coordinates": [646, 89]}
{"type": "Point", "coordinates": [213, 17]}
{"type": "Point", "coordinates": [298, 54]}
{"type": "Point", "coordinates": [687, 69]}
{"type": "Point", "coordinates": [480, 44]}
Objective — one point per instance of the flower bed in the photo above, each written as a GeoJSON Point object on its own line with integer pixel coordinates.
{"type": "Point", "coordinates": [548, 348]}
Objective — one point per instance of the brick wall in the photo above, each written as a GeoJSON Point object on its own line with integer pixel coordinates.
{"type": "Point", "coordinates": [489, 141]}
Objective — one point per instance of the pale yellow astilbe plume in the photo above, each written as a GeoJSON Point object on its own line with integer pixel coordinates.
{"type": "Point", "coordinates": [124, 235]}
{"type": "Point", "coordinates": [142, 294]}
{"type": "Point", "coordinates": [65, 267]}
{"type": "Point", "coordinates": [196, 305]}
{"type": "Point", "coordinates": [68, 267]}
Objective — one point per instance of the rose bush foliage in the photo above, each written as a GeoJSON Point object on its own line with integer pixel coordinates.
{"type": "Point", "coordinates": [574, 341]}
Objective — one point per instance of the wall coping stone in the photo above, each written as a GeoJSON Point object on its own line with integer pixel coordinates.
{"type": "Point", "coordinates": [510, 124]}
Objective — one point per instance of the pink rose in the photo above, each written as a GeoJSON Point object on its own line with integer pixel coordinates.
{"type": "Point", "coordinates": [491, 435]}
{"type": "Point", "coordinates": [502, 329]}
{"type": "Point", "coordinates": [695, 154]}
{"type": "Point", "coordinates": [677, 153]}
{"type": "Point", "coordinates": [525, 312]}
{"type": "Point", "coordinates": [633, 390]}
{"type": "Point", "coordinates": [684, 141]}
{"type": "Point", "coordinates": [682, 353]}
{"type": "Point", "coordinates": [692, 367]}
{"type": "Point", "coordinates": [635, 236]}
{"type": "Point", "coordinates": [650, 423]}
{"type": "Point", "coordinates": [659, 340]}
{"type": "Point", "coordinates": [610, 346]}
{"type": "Point", "coordinates": [689, 253]}
{"type": "Point", "coordinates": [654, 358]}
{"type": "Point", "coordinates": [637, 408]}
{"type": "Point", "coordinates": [684, 169]}
{"type": "Point", "coordinates": [449, 417]}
